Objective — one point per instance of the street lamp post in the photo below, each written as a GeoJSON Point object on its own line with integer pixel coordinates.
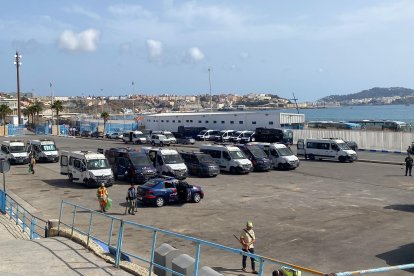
{"type": "Point", "coordinates": [18, 63]}
{"type": "Point", "coordinates": [211, 98]}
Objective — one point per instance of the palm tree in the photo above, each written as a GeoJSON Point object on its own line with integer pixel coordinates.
{"type": "Point", "coordinates": [57, 106]}
{"type": "Point", "coordinates": [105, 117]}
{"type": "Point", "coordinates": [26, 113]}
{"type": "Point", "coordinates": [4, 111]}
{"type": "Point", "coordinates": [37, 108]}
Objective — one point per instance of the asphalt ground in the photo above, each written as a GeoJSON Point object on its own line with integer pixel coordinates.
{"type": "Point", "coordinates": [326, 215]}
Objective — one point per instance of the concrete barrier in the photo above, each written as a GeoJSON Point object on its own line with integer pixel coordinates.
{"type": "Point", "coordinates": [208, 271]}
{"type": "Point", "coordinates": [163, 256]}
{"type": "Point", "coordinates": [183, 264]}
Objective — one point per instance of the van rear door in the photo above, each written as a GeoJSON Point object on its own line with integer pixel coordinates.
{"type": "Point", "coordinates": [64, 162]}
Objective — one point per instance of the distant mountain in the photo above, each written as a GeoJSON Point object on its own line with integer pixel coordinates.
{"type": "Point", "coordinates": [374, 93]}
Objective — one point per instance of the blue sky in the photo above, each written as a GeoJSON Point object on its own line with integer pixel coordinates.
{"type": "Point", "coordinates": [313, 48]}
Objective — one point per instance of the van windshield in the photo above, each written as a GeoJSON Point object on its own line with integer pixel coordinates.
{"type": "Point", "coordinates": [172, 159]}
{"type": "Point", "coordinates": [17, 149]}
{"type": "Point", "coordinates": [97, 164]}
{"type": "Point", "coordinates": [169, 135]}
{"type": "Point", "coordinates": [256, 151]}
{"type": "Point", "coordinates": [141, 160]}
{"type": "Point", "coordinates": [205, 158]}
{"type": "Point", "coordinates": [343, 146]}
{"type": "Point", "coordinates": [237, 154]}
{"type": "Point", "coordinates": [284, 152]}
{"type": "Point", "coordinates": [48, 147]}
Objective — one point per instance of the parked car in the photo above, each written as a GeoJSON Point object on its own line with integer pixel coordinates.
{"type": "Point", "coordinates": [130, 165]}
{"type": "Point", "coordinates": [200, 164]}
{"type": "Point", "coordinates": [159, 139]}
{"type": "Point", "coordinates": [161, 191]}
{"type": "Point", "coordinates": [97, 134]}
{"type": "Point", "coordinates": [181, 139]}
{"type": "Point", "coordinates": [86, 133]}
{"type": "Point", "coordinates": [114, 135]}
{"type": "Point", "coordinates": [257, 156]}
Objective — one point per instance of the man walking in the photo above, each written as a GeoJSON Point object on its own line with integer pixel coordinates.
{"type": "Point", "coordinates": [247, 239]}
{"type": "Point", "coordinates": [408, 164]}
{"type": "Point", "coordinates": [131, 199]}
{"type": "Point", "coordinates": [32, 163]}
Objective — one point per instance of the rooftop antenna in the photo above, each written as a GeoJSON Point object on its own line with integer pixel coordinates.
{"type": "Point", "coordinates": [296, 102]}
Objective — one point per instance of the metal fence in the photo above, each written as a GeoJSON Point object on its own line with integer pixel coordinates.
{"type": "Point", "coordinates": [43, 130]}
{"type": "Point", "coordinates": [15, 130]}
{"type": "Point", "coordinates": [121, 228]}
{"type": "Point", "coordinates": [63, 130]}
{"type": "Point", "coordinates": [30, 224]}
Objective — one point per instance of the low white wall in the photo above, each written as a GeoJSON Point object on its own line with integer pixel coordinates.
{"type": "Point", "coordinates": [371, 140]}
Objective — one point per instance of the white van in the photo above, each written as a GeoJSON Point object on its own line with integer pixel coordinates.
{"type": "Point", "coordinates": [135, 137]}
{"type": "Point", "coordinates": [167, 162]}
{"type": "Point", "coordinates": [280, 155]}
{"type": "Point", "coordinates": [15, 151]}
{"type": "Point", "coordinates": [167, 134]}
{"type": "Point", "coordinates": [207, 135]}
{"type": "Point", "coordinates": [229, 158]}
{"type": "Point", "coordinates": [44, 150]}
{"type": "Point", "coordinates": [326, 149]}
{"type": "Point", "coordinates": [224, 135]}
{"type": "Point", "coordinates": [87, 167]}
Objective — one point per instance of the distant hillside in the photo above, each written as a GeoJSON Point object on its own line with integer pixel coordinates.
{"type": "Point", "coordinates": [375, 92]}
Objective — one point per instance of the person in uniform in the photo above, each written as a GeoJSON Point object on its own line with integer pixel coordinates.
{"type": "Point", "coordinates": [247, 239]}
{"type": "Point", "coordinates": [102, 195]}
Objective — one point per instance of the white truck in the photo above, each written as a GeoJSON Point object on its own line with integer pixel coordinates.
{"type": "Point", "coordinates": [167, 162]}
{"type": "Point", "coordinates": [44, 150]}
{"type": "Point", "coordinates": [86, 167]}
{"type": "Point", "coordinates": [167, 134]}
{"type": "Point", "coordinates": [15, 151]}
{"type": "Point", "coordinates": [281, 156]}
{"type": "Point", "coordinates": [335, 149]}
{"type": "Point", "coordinates": [228, 158]}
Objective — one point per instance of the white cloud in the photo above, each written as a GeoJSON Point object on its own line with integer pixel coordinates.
{"type": "Point", "coordinates": [155, 49]}
{"type": "Point", "coordinates": [195, 55]}
{"type": "Point", "coordinates": [85, 41]}
{"type": "Point", "coordinates": [75, 9]}
{"type": "Point", "coordinates": [123, 10]}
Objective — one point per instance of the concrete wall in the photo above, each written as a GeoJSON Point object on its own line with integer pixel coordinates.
{"type": "Point", "coordinates": [370, 140]}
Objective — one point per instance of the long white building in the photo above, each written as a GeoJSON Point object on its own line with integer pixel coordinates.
{"type": "Point", "coordinates": [223, 120]}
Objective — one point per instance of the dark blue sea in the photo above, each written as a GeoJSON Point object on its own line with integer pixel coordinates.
{"type": "Point", "coordinates": [403, 113]}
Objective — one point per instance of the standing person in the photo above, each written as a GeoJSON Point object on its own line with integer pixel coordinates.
{"type": "Point", "coordinates": [131, 199]}
{"type": "Point", "coordinates": [247, 239]}
{"type": "Point", "coordinates": [408, 164]}
{"type": "Point", "coordinates": [102, 195]}
{"type": "Point", "coordinates": [32, 163]}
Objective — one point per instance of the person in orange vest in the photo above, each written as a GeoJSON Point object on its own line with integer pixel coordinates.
{"type": "Point", "coordinates": [102, 195]}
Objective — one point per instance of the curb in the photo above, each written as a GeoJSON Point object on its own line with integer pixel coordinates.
{"type": "Point", "coordinates": [380, 162]}
{"type": "Point", "coordinates": [384, 151]}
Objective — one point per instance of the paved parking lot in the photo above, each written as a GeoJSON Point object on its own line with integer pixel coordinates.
{"type": "Point", "coordinates": [325, 215]}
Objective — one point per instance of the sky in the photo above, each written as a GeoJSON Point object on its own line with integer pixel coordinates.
{"type": "Point", "coordinates": [310, 48]}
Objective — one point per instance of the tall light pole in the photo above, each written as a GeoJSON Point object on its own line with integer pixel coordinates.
{"type": "Point", "coordinates": [211, 98]}
{"type": "Point", "coordinates": [133, 98]}
{"type": "Point", "coordinates": [18, 63]}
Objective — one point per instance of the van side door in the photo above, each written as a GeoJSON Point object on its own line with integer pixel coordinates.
{"type": "Point", "coordinates": [77, 170]}
{"type": "Point", "coordinates": [225, 160]}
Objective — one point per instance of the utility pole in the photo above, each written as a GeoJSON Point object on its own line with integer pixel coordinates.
{"type": "Point", "coordinates": [211, 98]}
{"type": "Point", "coordinates": [133, 98]}
{"type": "Point", "coordinates": [18, 63]}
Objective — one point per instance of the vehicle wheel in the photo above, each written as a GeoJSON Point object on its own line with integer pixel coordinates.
{"type": "Point", "coordinates": [311, 157]}
{"type": "Point", "coordinates": [136, 142]}
{"type": "Point", "coordinates": [306, 157]}
{"type": "Point", "coordinates": [115, 176]}
{"type": "Point", "coordinates": [70, 178]}
{"type": "Point", "coordinates": [159, 201]}
{"type": "Point", "coordinates": [342, 159]}
{"type": "Point", "coordinates": [196, 198]}
{"type": "Point", "coordinates": [253, 139]}
{"type": "Point", "coordinates": [152, 143]}
{"type": "Point", "coordinates": [233, 170]}
{"type": "Point", "coordinates": [280, 166]}
{"type": "Point", "coordinates": [161, 144]}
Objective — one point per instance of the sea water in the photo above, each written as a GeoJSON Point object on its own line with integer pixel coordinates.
{"type": "Point", "coordinates": [403, 113]}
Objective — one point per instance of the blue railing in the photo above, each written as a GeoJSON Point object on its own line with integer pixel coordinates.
{"type": "Point", "coordinates": [30, 224]}
{"type": "Point", "coordinates": [120, 231]}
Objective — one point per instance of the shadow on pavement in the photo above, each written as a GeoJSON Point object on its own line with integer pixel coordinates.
{"type": "Point", "coordinates": [401, 207]}
{"type": "Point", "coordinates": [59, 183]}
{"type": "Point", "coordinates": [399, 256]}
{"type": "Point", "coordinates": [229, 271]}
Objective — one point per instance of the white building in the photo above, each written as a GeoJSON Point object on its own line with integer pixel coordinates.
{"type": "Point", "coordinates": [223, 120]}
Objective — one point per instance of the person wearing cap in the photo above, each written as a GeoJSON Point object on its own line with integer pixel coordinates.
{"type": "Point", "coordinates": [247, 239]}
{"type": "Point", "coordinates": [102, 195]}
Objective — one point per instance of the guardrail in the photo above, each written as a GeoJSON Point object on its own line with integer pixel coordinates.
{"type": "Point", "coordinates": [23, 218]}
{"type": "Point", "coordinates": [120, 231]}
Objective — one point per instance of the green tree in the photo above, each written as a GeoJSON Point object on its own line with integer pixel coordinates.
{"type": "Point", "coordinates": [58, 107]}
{"type": "Point", "coordinates": [105, 117]}
{"type": "Point", "coordinates": [4, 111]}
{"type": "Point", "coordinates": [37, 108]}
